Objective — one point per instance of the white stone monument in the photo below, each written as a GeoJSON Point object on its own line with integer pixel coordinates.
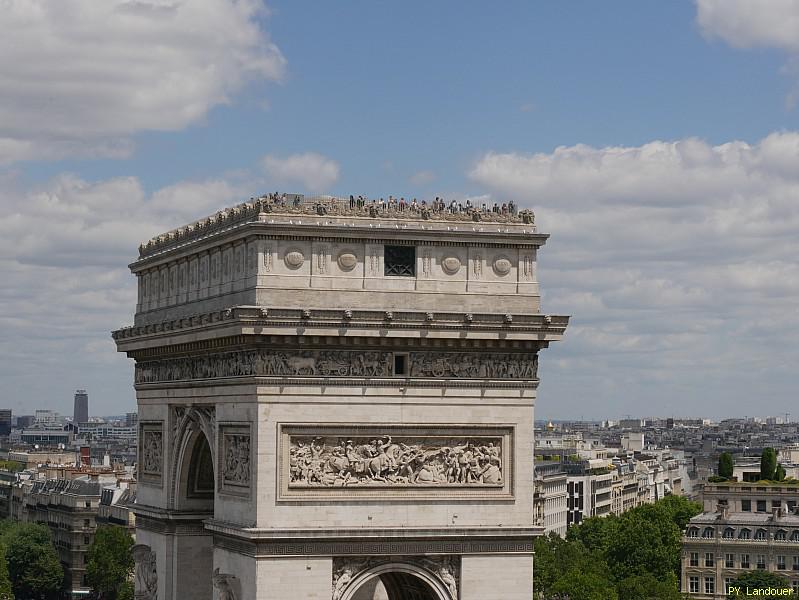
{"type": "Point", "coordinates": [336, 402]}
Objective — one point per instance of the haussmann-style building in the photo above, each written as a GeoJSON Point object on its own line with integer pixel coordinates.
{"type": "Point", "coordinates": [744, 527]}
{"type": "Point", "coordinates": [335, 401]}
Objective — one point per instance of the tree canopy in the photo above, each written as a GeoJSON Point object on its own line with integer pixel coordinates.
{"type": "Point", "coordinates": [634, 556]}
{"type": "Point", "coordinates": [6, 590]}
{"type": "Point", "coordinates": [646, 587]}
{"type": "Point", "coordinates": [768, 463]}
{"type": "Point", "coordinates": [760, 580]}
{"type": "Point", "coordinates": [33, 565]}
{"type": "Point", "coordinates": [726, 466]}
{"type": "Point", "coordinates": [110, 561]}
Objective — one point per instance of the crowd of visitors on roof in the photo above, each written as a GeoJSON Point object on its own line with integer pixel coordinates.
{"type": "Point", "coordinates": [439, 205]}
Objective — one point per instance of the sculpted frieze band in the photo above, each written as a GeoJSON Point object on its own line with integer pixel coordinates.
{"type": "Point", "coordinates": [474, 366]}
{"type": "Point", "coordinates": [325, 363]}
{"type": "Point", "coordinates": [397, 461]}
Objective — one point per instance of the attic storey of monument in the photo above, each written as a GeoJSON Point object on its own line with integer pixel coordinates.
{"type": "Point", "coordinates": [347, 407]}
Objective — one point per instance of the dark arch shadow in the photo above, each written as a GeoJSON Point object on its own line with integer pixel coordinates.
{"type": "Point", "coordinates": [395, 586]}
{"type": "Point", "coordinates": [195, 476]}
{"type": "Point", "coordinates": [194, 499]}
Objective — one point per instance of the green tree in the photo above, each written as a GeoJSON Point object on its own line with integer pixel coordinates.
{"type": "Point", "coordinates": [759, 580]}
{"type": "Point", "coordinates": [725, 465]}
{"type": "Point", "coordinates": [768, 463]}
{"type": "Point", "coordinates": [126, 591]}
{"type": "Point", "coordinates": [647, 587]}
{"type": "Point", "coordinates": [581, 585]}
{"type": "Point", "coordinates": [779, 473]}
{"type": "Point", "coordinates": [647, 543]}
{"type": "Point", "coordinates": [595, 533]}
{"type": "Point", "coordinates": [5, 582]}
{"type": "Point", "coordinates": [676, 508]}
{"type": "Point", "coordinates": [555, 556]}
{"type": "Point", "coordinates": [110, 561]}
{"type": "Point", "coordinates": [33, 565]}
{"type": "Point", "coordinates": [635, 556]}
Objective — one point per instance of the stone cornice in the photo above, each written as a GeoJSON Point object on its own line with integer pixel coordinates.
{"type": "Point", "coordinates": [377, 542]}
{"type": "Point", "coordinates": [369, 533]}
{"type": "Point", "coordinates": [408, 383]}
{"type": "Point", "coordinates": [315, 322]}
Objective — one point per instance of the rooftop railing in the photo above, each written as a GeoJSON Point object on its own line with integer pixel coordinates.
{"type": "Point", "coordinates": [360, 206]}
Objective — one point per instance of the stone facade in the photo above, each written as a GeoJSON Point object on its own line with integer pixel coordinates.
{"type": "Point", "coordinates": [70, 509]}
{"type": "Point", "coordinates": [337, 405]}
{"type": "Point", "coordinates": [743, 527]}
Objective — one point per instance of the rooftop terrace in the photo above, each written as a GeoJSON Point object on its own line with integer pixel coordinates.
{"type": "Point", "coordinates": [358, 207]}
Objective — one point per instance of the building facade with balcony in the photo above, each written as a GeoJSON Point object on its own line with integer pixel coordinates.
{"type": "Point", "coordinates": [69, 508]}
{"type": "Point", "coordinates": [550, 497]}
{"type": "Point", "coordinates": [743, 528]}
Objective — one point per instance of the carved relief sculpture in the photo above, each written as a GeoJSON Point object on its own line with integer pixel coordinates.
{"type": "Point", "coordinates": [146, 582]}
{"type": "Point", "coordinates": [347, 260]}
{"type": "Point", "coordinates": [451, 265]}
{"type": "Point", "coordinates": [527, 262]}
{"type": "Point", "coordinates": [477, 266]}
{"type": "Point", "coordinates": [323, 363]}
{"type": "Point", "coordinates": [474, 366]}
{"type": "Point", "coordinates": [373, 260]}
{"type": "Point", "coordinates": [294, 259]}
{"type": "Point", "coordinates": [502, 266]}
{"type": "Point", "coordinates": [225, 584]}
{"type": "Point", "coordinates": [152, 454]}
{"type": "Point", "coordinates": [426, 260]}
{"type": "Point", "coordinates": [268, 259]}
{"type": "Point", "coordinates": [236, 456]}
{"type": "Point", "coordinates": [321, 260]}
{"type": "Point", "coordinates": [328, 461]}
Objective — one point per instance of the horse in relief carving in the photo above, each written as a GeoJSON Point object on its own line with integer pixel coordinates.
{"type": "Point", "coordinates": [302, 365]}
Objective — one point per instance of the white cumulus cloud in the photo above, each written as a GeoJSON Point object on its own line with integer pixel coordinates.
{"type": "Point", "coordinates": [422, 178]}
{"type": "Point", "coordinates": [748, 23]}
{"type": "Point", "coordinates": [79, 76]}
{"type": "Point", "coordinates": [316, 173]}
{"type": "Point", "coordinates": [677, 260]}
{"type": "Point", "coordinates": [756, 23]}
{"type": "Point", "coordinates": [64, 250]}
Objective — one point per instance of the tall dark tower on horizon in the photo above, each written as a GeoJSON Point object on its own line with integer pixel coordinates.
{"type": "Point", "coordinates": [80, 413]}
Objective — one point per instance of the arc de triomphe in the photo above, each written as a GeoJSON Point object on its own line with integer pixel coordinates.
{"type": "Point", "coordinates": [336, 402]}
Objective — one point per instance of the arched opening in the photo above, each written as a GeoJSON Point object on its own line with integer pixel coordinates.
{"type": "Point", "coordinates": [396, 582]}
{"type": "Point", "coordinates": [195, 481]}
{"type": "Point", "coordinates": [194, 499]}
{"type": "Point", "coordinates": [201, 471]}
{"type": "Point", "coordinates": [395, 586]}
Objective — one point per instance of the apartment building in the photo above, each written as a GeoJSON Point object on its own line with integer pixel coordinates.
{"type": "Point", "coordinates": [69, 509]}
{"type": "Point", "coordinates": [550, 497]}
{"type": "Point", "coordinates": [743, 527]}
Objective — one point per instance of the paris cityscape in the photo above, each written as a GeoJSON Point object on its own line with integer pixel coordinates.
{"type": "Point", "coordinates": [399, 301]}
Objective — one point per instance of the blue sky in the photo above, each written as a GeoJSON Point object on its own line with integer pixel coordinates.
{"type": "Point", "coordinates": [657, 142]}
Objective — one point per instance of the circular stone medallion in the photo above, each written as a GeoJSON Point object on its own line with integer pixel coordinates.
{"type": "Point", "coordinates": [502, 266]}
{"type": "Point", "coordinates": [451, 264]}
{"type": "Point", "coordinates": [294, 259]}
{"type": "Point", "coordinates": [347, 260]}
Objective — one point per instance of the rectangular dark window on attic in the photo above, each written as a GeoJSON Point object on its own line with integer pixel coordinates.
{"type": "Point", "coordinates": [399, 261]}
